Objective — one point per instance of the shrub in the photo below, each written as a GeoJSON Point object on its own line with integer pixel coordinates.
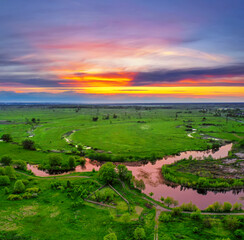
{"type": "Point", "coordinates": [189, 207]}
{"type": "Point", "coordinates": [82, 161]}
{"type": "Point", "coordinates": [139, 184]}
{"type": "Point", "coordinates": [6, 190]}
{"type": "Point", "coordinates": [77, 204]}
{"type": "Point", "coordinates": [169, 201]}
{"type": "Point", "coordinates": [19, 164]}
{"type": "Point", "coordinates": [195, 230]}
{"type": "Point", "coordinates": [208, 222]}
{"type": "Point", "coordinates": [6, 138]}
{"type": "Point", "coordinates": [176, 211]}
{"type": "Point", "coordinates": [237, 206]}
{"type": "Point", "coordinates": [196, 215]}
{"type": "Point", "coordinates": [231, 223]}
{"type": "Point", "coordinates": [122, 171]}
{"type": "Point", "coordinates": [55, 160]}
{"type": "Point", "coordinates": [35, 182]}
{"type": "Point", "coordinates": [2, 171]}
{"type": "Point", "coordinates": [139, 233]}
{"type": "Point", "coordinates": [71, 163]}
{"type": "Point", "coordinates": [125, 218]}
{"type": "Point", "coordinates": [4, 180]}
{"type": "Point", "coordinates": [9, 171]}
{"type": "Point", "coordinates": [32, 190]}
{"type": "Point", "coordinates": [227, 207]}
{"type": "Point", "coordinates": [164, 217]}
{"type": "Point", "coordinates": [105, 195]}
{"type": "Point", "coordinates": [215, 207]}
{"type": "Point", "coordinates": [25, 181]}
{"type": "Point", "coordinates": [110, 236]}
{"type": "Point", "coordinates": [6, 160]}
{"type": "Point", "coordinates": [239, 234]}
{"type": "Point", "coordinates": [19, 187]}
{"type": "Point", "coordinates": [28, 144]}
{"type": "Point", "coordinates": [55, 185]}
{"type": "Point", "coordinates": [14, 197]}
{"type": "Point", "coordinates": [27, 195]}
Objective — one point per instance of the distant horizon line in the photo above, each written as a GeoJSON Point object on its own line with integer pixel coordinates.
{"type": "Point", "coordinates": [112, 103]}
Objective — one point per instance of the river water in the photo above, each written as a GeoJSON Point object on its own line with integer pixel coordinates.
{"type": "Point", "coordinates": [151, 174]}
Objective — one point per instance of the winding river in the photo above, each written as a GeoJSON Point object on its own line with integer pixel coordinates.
{"type": "Point", "coordinates": [154, 182]}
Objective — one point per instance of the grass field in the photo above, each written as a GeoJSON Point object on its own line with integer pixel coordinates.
{"type": "Point", "coordinates": [51, 215]}
{"type": "Point", "coordinates": [130, 132]}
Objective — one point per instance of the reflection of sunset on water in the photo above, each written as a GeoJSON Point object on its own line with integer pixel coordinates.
{"type": "Point", "coordinates": [151, 174]}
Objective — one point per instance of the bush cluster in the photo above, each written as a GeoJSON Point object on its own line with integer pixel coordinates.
{"type": "Point", "coordinates": [225, 207]}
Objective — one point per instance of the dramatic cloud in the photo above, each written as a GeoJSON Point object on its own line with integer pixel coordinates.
{"type": "Point", "coordinates": [157, 77]}
{"type": "Point", "coordinates": [135, 49]}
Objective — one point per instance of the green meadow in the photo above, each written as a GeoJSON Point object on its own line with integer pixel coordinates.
{"type": "Point", "coordinates": [119, 134]}
{"type": "Point", "coordinates": [56, 207]}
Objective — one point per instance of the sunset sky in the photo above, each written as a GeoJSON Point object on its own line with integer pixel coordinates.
{"type": "Point", "coordinates": [122, 51]}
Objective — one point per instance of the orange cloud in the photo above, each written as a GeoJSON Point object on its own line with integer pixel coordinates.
{"type": "Point", "coordinates": [98, 80]}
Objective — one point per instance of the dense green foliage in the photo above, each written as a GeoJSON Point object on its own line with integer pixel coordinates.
{"type": "Point", "coordinates": [6, 160]}
{"type": "Point", "coordinates": [45, 206]}
{"type": "Point", "coordinates": [107, 173]}
{"type": "Point", "coordinates": [206, 227]}
{"type": "Point", "coordinates": [6, 138]}
{"type": "Point", "coordinates": [197, 174]}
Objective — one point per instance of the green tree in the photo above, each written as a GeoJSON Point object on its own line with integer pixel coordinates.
{"type": "Point", "coordinates": [9, 171]}
{"type": "Point", "coordinates": [6, 190]}
{"type": "Point", "coordinates": [4, 180]}
{"type": "Point", "coordinates": [2, 171]}
{"type": "Point", "coordinates": [217, 207]}
{"type": "Point", "coordinates": [55, 160]}
{"type": "Point", "coordinates": [125, 217]}
{"type": "Point", "coordinates": [175, 203]}
{"type": "Point", "coordinates": [28, 144]}
{"type": "Point", "coordinates": [139, 234]}
{"type": "Point", "coordinates": [237, 206]}
{"type": "Point", "coordinates": [19, 187]}
{"type": "Point", "coordinates": [107, 172]}
{"type": "Point", "coordinates": [71, 162]}
{"type": "Point", "coordinates": [19, 164]}
{"type": "Point", "coordinates": [6, 138]}
{"type": "Point", "coordinates": [227, 207]}
{"type": "Point", "coordinates": [176, 211]}
{"type": "Point", "coordinates": [164, 217]}
{"type": "Point", "coordinates": [168, 201]}
{"type": "Point", "coordinates": [122, 171]}
{"type": "Point", "coordinates": [6, 160]}
{"type": "Point", "coordinates": [140, 184]}
{"type": "Point", "coordinates": [79, 148]}
{"type": "Point", "coordinates": [110, 236]}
